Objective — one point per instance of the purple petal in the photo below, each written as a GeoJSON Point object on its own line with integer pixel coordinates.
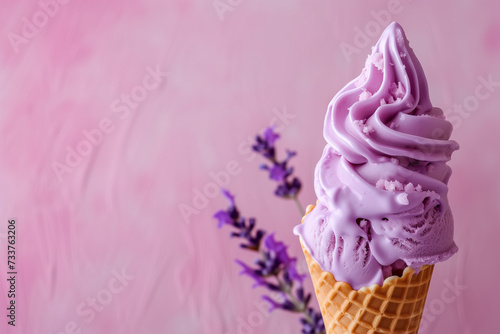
{"type": "Point", "coordinates": [277, 173]}
{"type": "Point", "coordinates": [270, 136]}
{"type": "Point", "coordinates": [288, 189]}
{"type": "Point", "coordinates": [293, 273]}
{"type": "Point", "coordinates": [260, 145]}
{"type": "Point", "coordinates": [252, 273]}
{"type": "Point", "coordinates": [228, 196]}
{"type": "Point", "coordinates": [223, 217]}
{"type": "Point", "coordinates": [269, 242]}
{"type": "Point", "coordinates": [290, 154]}
{"type": "Point", "coordinates": [264, 167]}
{"type": "Point", "coordinates": [273, 305]}
{"type": "Point", "coordinates": [279, 248]}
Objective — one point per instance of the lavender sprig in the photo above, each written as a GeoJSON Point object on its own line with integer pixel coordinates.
{"type": "Point", "coordinates": [279, 171]}
{"type": "Point", "coordinates": [274, 269]}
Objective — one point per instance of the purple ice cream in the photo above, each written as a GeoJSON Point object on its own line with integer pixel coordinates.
{"type": "Point", "coordinates": [382, 181]}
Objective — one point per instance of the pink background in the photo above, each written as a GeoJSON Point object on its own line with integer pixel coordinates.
{"type": "Point", "coordinates": [229, 74]}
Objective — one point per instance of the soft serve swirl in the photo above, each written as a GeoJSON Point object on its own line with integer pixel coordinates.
{"type": "Point", "coordinates": [382, 180]}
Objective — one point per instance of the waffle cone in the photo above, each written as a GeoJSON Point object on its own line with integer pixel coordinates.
{"type": "Point", "coordinates": [396, 307]}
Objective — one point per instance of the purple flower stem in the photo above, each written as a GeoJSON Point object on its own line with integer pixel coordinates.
{"type": "Point", "coordinates": [301, 307]}
{"type": "Point", "coordinates": [275, 269]}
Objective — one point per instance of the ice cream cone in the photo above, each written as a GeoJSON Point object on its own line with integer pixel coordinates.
{"type": "Point", "coordinates": [396, 307]}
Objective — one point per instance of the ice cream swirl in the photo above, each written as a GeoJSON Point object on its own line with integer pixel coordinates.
{"type": "Point", "coordinates": [382, 180]}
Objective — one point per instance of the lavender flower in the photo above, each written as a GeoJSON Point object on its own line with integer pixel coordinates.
{"type": "Point", "coordinates": [313, 322]}
{"type": "Point", "coordinates": [231, 216]}
{"type": "Point", "coordinates": [279, 170]}
{"type": "Point", "coordinates": [274, 269]}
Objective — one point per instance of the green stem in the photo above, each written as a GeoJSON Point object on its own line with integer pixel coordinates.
{"type": "Point", "coordinates": [299, 206]}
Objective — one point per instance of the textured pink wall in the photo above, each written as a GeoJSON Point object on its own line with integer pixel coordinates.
{"type": "Point", "coordinates": [108, 226]}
